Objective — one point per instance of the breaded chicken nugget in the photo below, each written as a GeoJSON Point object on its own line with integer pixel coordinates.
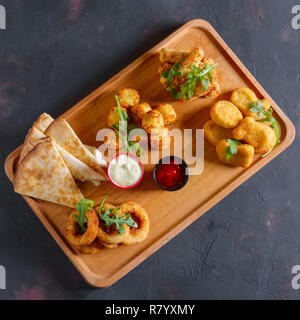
{"type": "Point", "coordinates": [172, 56]}
{"type": "Point", "coordinates": [225, 114]}
{"type": "Point", "coordinates": [213, 87]}
{"type": "Point", "coordinates": [152, 120]}
{"type": "Point", "coordinates": [241, 98]}
{"type": "Point", "coordinates": [137, 111]}
{"type": "Point", "coordinates": [259, 135]}
{"type": "Point", "coordinates": [128, 97]}
{"type": "Point", "coordinates": [243, 157]}
{"type": "Point", "coordinates": [160, 138]}
{"type": "Point", "coordinates": [113, 116]}
{"type": "Point", "coordinates": [168, 112]}
{"type": "Point", "coordinates": [214, 133]}
{"type": "Point", "coordinates": [194, 58]}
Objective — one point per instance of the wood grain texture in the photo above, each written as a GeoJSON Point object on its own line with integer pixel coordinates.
{"type": "Point", "coordinates": [167, 214]}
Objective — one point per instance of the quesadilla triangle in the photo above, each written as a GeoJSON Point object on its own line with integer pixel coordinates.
{"type": "Point", "coordinates": [78, 169]}
{"type": "Point", "coordinates": [35, 133]}
{"type": "Point", "coordinates": [62, 133]}
{"type": "Point", "coordinates": [32, 139]}
{"type": "Point", "coordinates": [43, 122]}
{"type": "Point", "coordinates": [44, 175]}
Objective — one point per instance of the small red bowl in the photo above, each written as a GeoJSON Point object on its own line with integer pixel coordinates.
{"type": "Point", "coordinates": [135, 158]}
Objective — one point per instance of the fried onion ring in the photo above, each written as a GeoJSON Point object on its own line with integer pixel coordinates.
{"type": "Point", "coordinates": [140, 216]}
{"type": "Point", "coordinates": [93, 248]}
{"type": "Point", "coordinates": [109, 234]}
{"type": "Point", "coordinates": [91, 232]}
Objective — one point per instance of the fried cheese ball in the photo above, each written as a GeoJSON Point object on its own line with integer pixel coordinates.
{"type": "Point", "coordinates": [214, 133]}
{"type": "Point", "coordinates": [140, 216]}
{"type": "Point", "coordinates": [138, 111]}
{"type": "Point", "coordinates": [259, 135]}
{"type": "Point", "coordinates": [128, 97]}
{"type": "Point", "coordinates": [152, 120]}
{"type": "Point", "coordinates": [110, 234]}
{"type": "Point", "coordinates": [113, 116]}
{"type": "Point", "coordinates": [168, 112]}
{"type": "Point", "coordinates": [225, 114]}
{"type": "Point", "coordinates": [243, 157]}
{"type": "Point", "coordinates": [160, 139]}
{"type": "Point", "coordinates": [89, 235]}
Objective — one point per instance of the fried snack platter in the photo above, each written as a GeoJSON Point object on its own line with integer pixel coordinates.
{"type": "Point", "coordinates": [168, 213]}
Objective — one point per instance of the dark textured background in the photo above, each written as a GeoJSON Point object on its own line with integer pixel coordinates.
{"type": "Point", "coordinates": [54, 53]}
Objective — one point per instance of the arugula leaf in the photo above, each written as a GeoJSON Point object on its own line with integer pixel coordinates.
{"type": "Point", "coordinates": [111, 217]}
{"type": "Point", "coordinates": [82, 207]}
{"type": "Point", "coordinates": [258, 108]}
{"type": "Point", "coordinates": [123, 114]}
{"type": "Point", "coordinates": [124, 128]}
{"type": "Point", "coordinates": [196, 75]}
{"type": "Point", "coordinates": [232, 148]}
{"type": "Point", "coordinates": [174, 71]}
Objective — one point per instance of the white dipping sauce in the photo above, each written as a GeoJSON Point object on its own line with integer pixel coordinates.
{"type": "Point", "coordinates": [125, 170]}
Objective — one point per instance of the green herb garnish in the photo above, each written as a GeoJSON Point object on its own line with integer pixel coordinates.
{"type": "Point", "coordinates": [258, 108]}
{"type": "Point", "coordinates": [110, 217]}
{"type": "Point", "coordinates": [232, 148]}
{"type": "Point", "coordinates": [123, 129]}
{"type": "Point", "coordinates": [196, 75]}
{"type": "Point", "coordinates": [82, 207]}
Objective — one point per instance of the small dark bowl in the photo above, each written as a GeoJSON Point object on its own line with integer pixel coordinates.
{"type": "Point", "coordinates": [181, 162]}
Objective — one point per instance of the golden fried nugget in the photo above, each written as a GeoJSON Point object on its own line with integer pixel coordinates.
{"type": "Point", "coordinates": [160, 139]}
{"type": "Point", "coordinates": [243, 157]}
{"type": "Point", "coordinates": [214, 133]}
{"type": "Point", "coordinates": [259, 135]}
{"type": "Point", "coordinates": [128, 97]}
{"type": "Point", "coordinates": [137, 111]}
{"type": "Point", "coordinates": [152, 120]}
{"type": "Point", "coordinates": [172, 56]}
{"type": "Point", "coordinates": [113, 116]}
{"type": "Point", "coordinates": [168, 112]}
{"type": "Point", "coordinates": [266, 104]}
{"type": "Point", "coordinates": [225, 114]}
{"type": "Point", "coordinates": [241, 98]}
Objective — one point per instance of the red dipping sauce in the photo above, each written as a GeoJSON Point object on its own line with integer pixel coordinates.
{"type": "Point", "coordinates": [171, 175]}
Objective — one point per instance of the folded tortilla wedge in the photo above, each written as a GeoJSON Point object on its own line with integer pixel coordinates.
{"type": "Point", "coordinates": [62, 133]}
{"type": "Point", "coordinates": [43, 174]}
{"type": "Point", "coordinates": [35, 133]}
{"type": "Point", "coordinates": [78, 169]}
{"type": "Point", "coordinates": [43, 122]}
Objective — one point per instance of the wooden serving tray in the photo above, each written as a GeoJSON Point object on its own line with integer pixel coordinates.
{"type": "Point", "coordinates": [169, 212]}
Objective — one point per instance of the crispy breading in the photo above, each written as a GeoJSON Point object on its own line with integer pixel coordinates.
{"type": "Point", "coordinates": [128, 97]}
{"type": "Point", "coordinates": [225, 114]}
{"type": "Point", "coordinates": [152, 120]}
{"type": "Point", "coordinates": [214, 133]}
{"type": "Point", "coordinates": [137, 111]}
{"type": "Point", "coordinates": [172, 56]}
{"type": "Point", "coordinates": [243, 157]}
{"type": "Point", "coordinates": [113, 116]}
{"type": "Point", "coordinates": [259, 135]}
{"type": "Point", "coordinates": [160, 138]}
{"type": "Point", "coordinates": [168, 112]}
{"type": "Point", "coordinates": [241, 98]}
